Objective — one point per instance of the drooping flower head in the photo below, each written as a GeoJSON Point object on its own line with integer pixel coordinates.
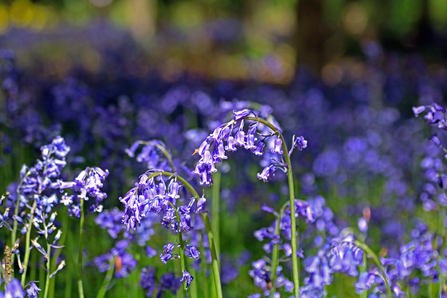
{"type": "Point", "coordinates": [231, 135]}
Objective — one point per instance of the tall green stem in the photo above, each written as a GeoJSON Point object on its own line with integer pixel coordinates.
{"type": "Point", "coordinates": [70, 269]}
{"type": "Point", "coordinates": [182, 255]}
{"type": "Point", "coordinates": [107, 279]}
{"type": "Point", "coordinates": [215, 224]}
{"type": "Point", "coordinates": [58, 253]}
{"type": "Point", "coordinates": [206, 293]}
{"type": "Point", "coordinates": [275, 253]}
{"type": "Point", "coordinates": [193, 287]}
{"type": "Point", "coordinates": [27, 244]}
{"type": "Point", "coordinates": [16, 213]}
{"type": "Point", "coordinates": [48, 258]}
{"type": "Point", "coordinates": [364, 294]}
{"type": "Point", "coordinates": [294, 237]}
{"type": "Point", "coordinates": [47, 281]}
{"type": "Point", "coordinates": [215, 262]}
{"type": "Point", "coordinates": [376, 260]}
{"type": "Point", "coordinates": [215, 206]}
{"type": "Point", "coordinates": [81, 237]}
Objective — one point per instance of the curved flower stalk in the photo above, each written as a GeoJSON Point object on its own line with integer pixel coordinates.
{"type": "Point", "coordinates": [212, 152]}
{"type": "Point", "coordinates": [269, 278]}
{"type": "Point", "coordinates": [152, 196]}
{"type": "Point", "coordinates": [150, 156]}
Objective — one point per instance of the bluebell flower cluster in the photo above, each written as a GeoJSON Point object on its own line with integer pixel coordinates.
{"type": "Point", "coordinates": [36, 179]}
{"type": "Point", "coordinates": [213, 149]}
{"type": "Point", "coordinates": [38, 195]}
{"type": "Point", "coordinates": [153, 196]}
{"type": "Point", "coordinates": [87, 184]}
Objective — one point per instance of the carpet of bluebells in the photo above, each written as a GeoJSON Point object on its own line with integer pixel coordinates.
{"type": "Point", "coordinates": [122, 183]}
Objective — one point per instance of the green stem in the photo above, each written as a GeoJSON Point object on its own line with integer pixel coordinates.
{"type": "Point", "coordinates": [376, 260]}
{"type": "Point", "coordinates": [168, 156]}
{"type": "Point", "coordinates": [27, 244]}
{"type": "Point", "coordinates": [163, 150]}
{"type": "Point", "coordinates": [294, 237]}
{"type": "Point", "coordinates": [70, 267]}
{"type": "Point", "coordinates": [57, 254]}
{"type": "Point", "coordinates": [182, 256]}
{"type": "Point", "coordinates": [34, 266]}
{"type": "Point", "coordinates": [364, 294]}
{"type": "Point", "coordinates": [275, 253]}
{"type": "Point", "coordinates": [107, 279]}
{"type": "Point", "coordinates": [215, 262]}
{"type": "Point", "coordinates": [81, 236]}
{"type": "Point", "coordinates": [16, 213]}
{"type": "Point", "coordinates": [47, 281]}
{"type": "Point", "coordinates": [193, 287]}
{"type": "Point", "coordinates": [215, 224]}
{"type": "Point", "coordinates": [206, 293]}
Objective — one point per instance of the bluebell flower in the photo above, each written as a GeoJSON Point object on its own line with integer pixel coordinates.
{"type": "Point", "coordinates": [192, 252]}
{"type": "Point", "coordinates": [418, 110]}
{"type": "Point", "coordinates": [238, 115]}
{"type": "Point", "coordinates": [231, 144]}
{"type": "Point", "coordinates": [14, 289]}
{"type": "Point", "coordinates": [300, 143]}
{"type": "Point", "coordinates": [33, 290]}
{"type": "Point", "coordinates": [240, 138]}
{"type": "Point", "coordinates": [187, 278]}
{"type": "Point", "coordinates": [267, 173]}
{"type": "Point", "coordinates": [132, 149]}
{"type": "Point", "coordinates": [251, 137]}
{"type": "Point", "coordinates": [277, 149]}
{"type": "Point", "coordinates": [201, 204]}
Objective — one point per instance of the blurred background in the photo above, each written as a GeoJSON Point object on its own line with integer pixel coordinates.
{"type": "Point", "coordinates": [262, 40]}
